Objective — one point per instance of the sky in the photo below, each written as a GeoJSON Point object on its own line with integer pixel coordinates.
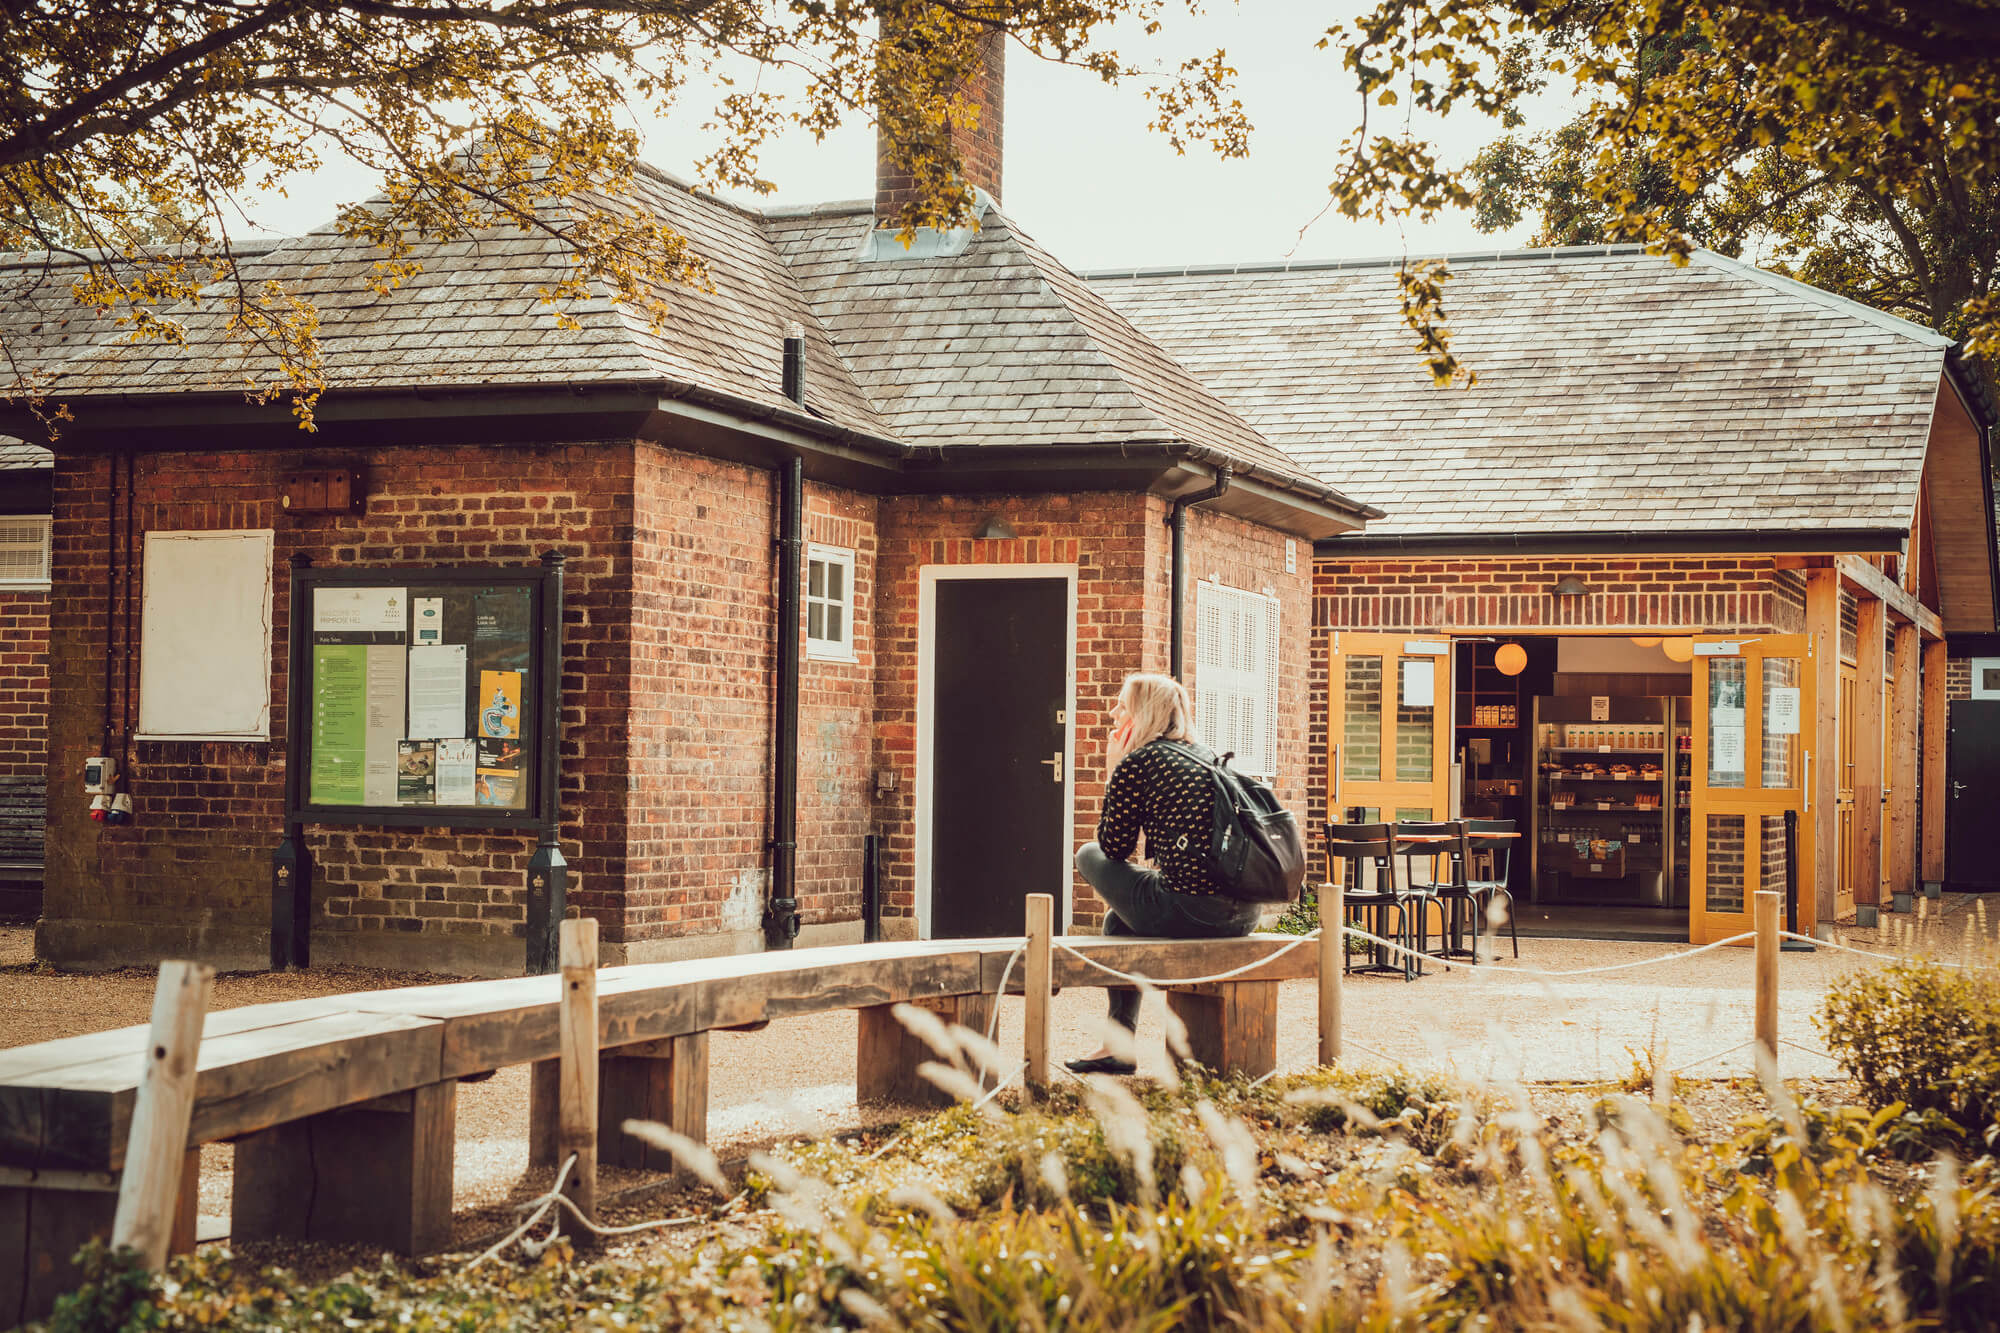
{"type": "Point", "coordinates": [1086, 178]}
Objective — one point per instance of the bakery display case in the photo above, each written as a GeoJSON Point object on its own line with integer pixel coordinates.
{"type": "Point", "coordinates": [1606, 801]}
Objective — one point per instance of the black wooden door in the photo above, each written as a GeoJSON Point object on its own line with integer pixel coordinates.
{"type": "Point", "coordinates": [999, 826]}
{"type": "Point", "coordinates": [1972, 794]}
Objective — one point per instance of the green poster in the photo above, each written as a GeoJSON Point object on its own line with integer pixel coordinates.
{"type": "Point", "coordinates": [339, 723]}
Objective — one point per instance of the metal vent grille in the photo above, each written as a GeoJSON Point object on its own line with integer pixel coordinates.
{"type": "Point", "coordinates": [24, 550]}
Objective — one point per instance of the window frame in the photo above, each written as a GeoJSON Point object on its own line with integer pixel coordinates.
{"type": "Point", "coordinates": [1269, 612]}
{"type": "Point", "coordinates": [822, 649]}
{"type": "Point", "coordinates": [43, 583]}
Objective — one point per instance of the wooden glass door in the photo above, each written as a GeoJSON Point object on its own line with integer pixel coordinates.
{"type": "Point", "coordinates": [1753, 711]}
{"type": "Point", "coordinates": [1389, 726]}
{"type": "Point", "coordinates": [1843, 806]}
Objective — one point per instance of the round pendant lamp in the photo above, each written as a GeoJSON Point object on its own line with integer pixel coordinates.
{"type": "Point", "coordinates": [1511, 659]}
{"type": "Point", "coordinates": [1678, 650]}
{"type": "Point", "coordinates": [1646, 640]}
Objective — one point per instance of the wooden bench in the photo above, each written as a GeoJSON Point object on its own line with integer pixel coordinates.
{"type": "Point", "coordinates": [342, 1107]}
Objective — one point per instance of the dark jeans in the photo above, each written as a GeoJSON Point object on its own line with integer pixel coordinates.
{"type": "Point", "coordinates": [1142, 904]}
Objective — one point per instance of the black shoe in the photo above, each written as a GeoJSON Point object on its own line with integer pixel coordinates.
{"type": "Point", "coordinates": [1101, 1064]}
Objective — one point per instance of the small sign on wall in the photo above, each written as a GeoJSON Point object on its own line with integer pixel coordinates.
{"type": "Point", "coordinates": [1600, 708]}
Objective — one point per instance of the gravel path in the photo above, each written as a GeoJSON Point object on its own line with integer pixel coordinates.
{"type": "Point", "coordinates": [795, 1078]}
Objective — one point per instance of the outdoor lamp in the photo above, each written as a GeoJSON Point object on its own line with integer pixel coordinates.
{"type": "Point", "coordinates": [1511, 659]}
{"type": "Point", "coordinates": [1678, 650]}
{"type": "Point", "coordinates": [1572, 586]}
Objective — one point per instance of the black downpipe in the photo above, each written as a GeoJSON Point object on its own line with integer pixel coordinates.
{"type": "Point", "coordinates": [1177, 524]}
{"type": "Point", "coordinates": [871, 888]}
{"type": "Point", "coordinates": [781, 917]}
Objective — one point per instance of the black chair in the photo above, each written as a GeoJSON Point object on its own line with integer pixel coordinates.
{"type": "Point", "coordinates": [1449, 889]}
{"type": "Point", "coordinates": [1351, 851]}
{"type": "Point", "coordinates": [1484, 891]}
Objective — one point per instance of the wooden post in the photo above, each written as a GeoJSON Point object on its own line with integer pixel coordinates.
{"type": "Point", "coordinates": [1902, 770]}
{"type": "Point", "coordinates": [1232, 1026]}
{"type": "Point", "coordinates": [664, 1080]}
{"type": "Point", "coordinates": [1332, 955]}
{"type": "Point", "coordinates": [577, 1024]}
{"type": "Point", "coordinates": [1870, 685]}
{"type": "Point", "coordinates": [887, 1055]}
{"type": "Point", "coordinates": [1769, 907]}
{"type": "Point", "coordinates": [1935, 712]}
{"type": "Point", "coordinates": [156, 1151]}
{"type": "Point", "coordinates": [1035, 990]}
{"type": "Point", "coordinates": [1822, 905]}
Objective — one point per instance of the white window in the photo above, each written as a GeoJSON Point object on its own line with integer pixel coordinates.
{"type": "Point", "coordinates": [24, 551]}
{"type": "Point", "coordinates": [1986, 677]}
{"type": "Point", "coordinates": [205, 636]}
{"type": "Point", "coordinates": [830, 603]}
{"type": "Point", "coordinates": [1236, 675]}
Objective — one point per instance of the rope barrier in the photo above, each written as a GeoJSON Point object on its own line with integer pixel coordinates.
{"type": "Point", "coordinates": [1712, 1055]}
{"type": "Point", "coordinates": [1130, 979]}
{"type": "Point", "coordinates": [545, 1203]}
{"type": "Point", "coordinates": [1809, 1050]}
{"type": "Point", "coordinates": [993, 1024]}
{"type": "Point", "coordinates": [1356, 932]}
{"type": "Point", "coordinates": [1870, 953]}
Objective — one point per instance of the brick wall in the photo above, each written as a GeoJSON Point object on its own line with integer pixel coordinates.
{"type": "Point", "coordinates": [1725, 593]}
{"type": "Point", "coordinates": [191, 871]}
{"type": "Point", "coordinates": [1958, 678]}
{"type": "Point", "coordinates": [979, 146]}
{"type": "Point", "coordinates": [1121, 548]}
{"type": "Point", "coordinates": [24, 683]}
{"type": "Point", "coordinates": [836, 725]}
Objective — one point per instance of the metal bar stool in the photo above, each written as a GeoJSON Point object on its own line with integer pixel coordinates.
{"type": "Point", "coordinates": [1495, 837]}
{"type": "Point", "coordinates": [1349, 850]}
{"type": "Point", "coordinates": [1425, 842]}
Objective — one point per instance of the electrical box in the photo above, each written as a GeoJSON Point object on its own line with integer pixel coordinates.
{"type": "Point", "coordinates": [100, 774]}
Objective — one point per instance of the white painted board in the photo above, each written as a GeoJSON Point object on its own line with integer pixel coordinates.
{"type": "Point", "coordinates": [205, 636]}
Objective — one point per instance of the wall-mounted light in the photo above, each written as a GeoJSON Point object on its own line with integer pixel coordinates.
{"type": "Point", "coordinates": [1511, 659]}
{"type": "Point", "coordinates": [994, 528]}
{"type": "Point", "coordinates": [1572, 586]}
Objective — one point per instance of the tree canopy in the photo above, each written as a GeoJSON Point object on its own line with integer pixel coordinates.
{"type": "Point", "coordinates": [132, 136]}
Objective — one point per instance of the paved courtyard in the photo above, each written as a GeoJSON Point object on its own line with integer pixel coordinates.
{"type": "Point", "coordinates": [796, 1077]}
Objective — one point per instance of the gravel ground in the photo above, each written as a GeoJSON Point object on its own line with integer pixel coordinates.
{"type": "Point", "coordinates": [795, 1078]}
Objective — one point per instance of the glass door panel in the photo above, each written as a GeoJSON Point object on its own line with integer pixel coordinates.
{"type": "Point", "coordinates": [1392, 725]}
{"type": "Point", "coordinates": [1752, 763]}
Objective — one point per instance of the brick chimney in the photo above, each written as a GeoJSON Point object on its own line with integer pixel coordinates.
{"type": "Point", "coordinates": [978, 145]}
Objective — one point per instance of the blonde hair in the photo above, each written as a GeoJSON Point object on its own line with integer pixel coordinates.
{"type": "Point", "coordinates": [1155, 706]}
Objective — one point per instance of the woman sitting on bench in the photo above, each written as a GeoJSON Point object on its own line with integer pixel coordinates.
{"type": "Point", "coordinates": [1158, 791]}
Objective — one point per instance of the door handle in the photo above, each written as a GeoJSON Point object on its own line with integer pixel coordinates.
{"type": "Point", "coordinates": [1957, 787]}
{"type": "Point", "coordinates": [1808, 786]}
{"type": "Point", "coordinates": [1055, 766]}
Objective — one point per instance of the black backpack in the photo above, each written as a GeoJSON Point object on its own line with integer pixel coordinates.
{"type": "Point", "coordinates": [1255, 854]}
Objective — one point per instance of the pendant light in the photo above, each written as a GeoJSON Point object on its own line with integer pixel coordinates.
{"type": "Point", "coordinates": [1511, 659]}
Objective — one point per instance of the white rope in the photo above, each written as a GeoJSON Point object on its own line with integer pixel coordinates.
{"type": "Point", "coordinates": [1809, 1050]}
{"type": "Point", "coordinates": [993, 1024]}
{"type": "Point", "coordinates": [1712, 1055]}
{"type": "Point", "coordinates": [1518, 971]}
{"type": "Point", "coordinates": [541, 1206]}
{"type": "Point", "coordinates": [1869, 953]}
{"type": "Point", "coordinates": [566, 1202]}
{"type": "Point", "coordinates": [1129, 978]}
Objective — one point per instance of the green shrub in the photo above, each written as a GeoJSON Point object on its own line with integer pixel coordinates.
{"type": "Point", "coordinates": [1926, 1036]}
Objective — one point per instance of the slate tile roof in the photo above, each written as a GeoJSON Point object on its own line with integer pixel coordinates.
{"type": "Point", "coordinates": [1616, 391]}
{"type": "Point", "coordinates": [996, 345]}
{"type": "Point", "coordinates": [19, 456]}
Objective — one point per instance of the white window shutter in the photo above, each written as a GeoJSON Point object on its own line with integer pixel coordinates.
{"type": "Point", "coordinates": [24, 549]}
{"type": "Point", "coordinates": [1236, 675]}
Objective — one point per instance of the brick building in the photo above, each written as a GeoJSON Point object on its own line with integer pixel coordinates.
{"type": "Point", "coordinates": [24, 672]}
{"type": "Point", "coordinates": [1681, 562]}
{"type": "Point", "coordinates": [970, 438]}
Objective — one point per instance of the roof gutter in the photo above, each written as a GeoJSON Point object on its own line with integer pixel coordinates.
{"type": "Point", "coordinates": [1806, 541]}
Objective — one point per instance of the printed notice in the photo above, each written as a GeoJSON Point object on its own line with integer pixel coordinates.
{"type": "Point", "coordinates": [1725, 741]}
{"type": "Point", "coordinates": [1600, 708]}
{"type": "Point", "coordinates": [339, 723]}
{"type": "Point", "coordinates": [385, 720]}
{"type": "Point", "coordinates": [499, 781]}
{"type": "Point", "coordinates": [1417, 684]}
{"type": "Point", "coordinates": [428, 618]}
{"type": "Point", "coordinates": [455, 764]}
{"type": "Point", "coordinates": [416, 772]}
{"type": "Point", "coordinates": [1781, 712]}
{"type": "Point", "coordinates": [500, 704]}
{"type": "Point", "coordinates": [437, 691]}
{"type": "Point", "coordinates": [359, 610]}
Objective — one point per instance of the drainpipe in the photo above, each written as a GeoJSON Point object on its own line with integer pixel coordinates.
{"type": "Point", "coordinates": [781, 917]}
{"type": "Point", "coordinates": [1177, 524]}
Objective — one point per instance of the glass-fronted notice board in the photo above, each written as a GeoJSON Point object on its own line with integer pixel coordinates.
{"type": "Point", "coordinates": [424, 695]}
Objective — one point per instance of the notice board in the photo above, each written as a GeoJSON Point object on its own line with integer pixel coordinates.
{"type": "Point", "coordinates": [422, 696]}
